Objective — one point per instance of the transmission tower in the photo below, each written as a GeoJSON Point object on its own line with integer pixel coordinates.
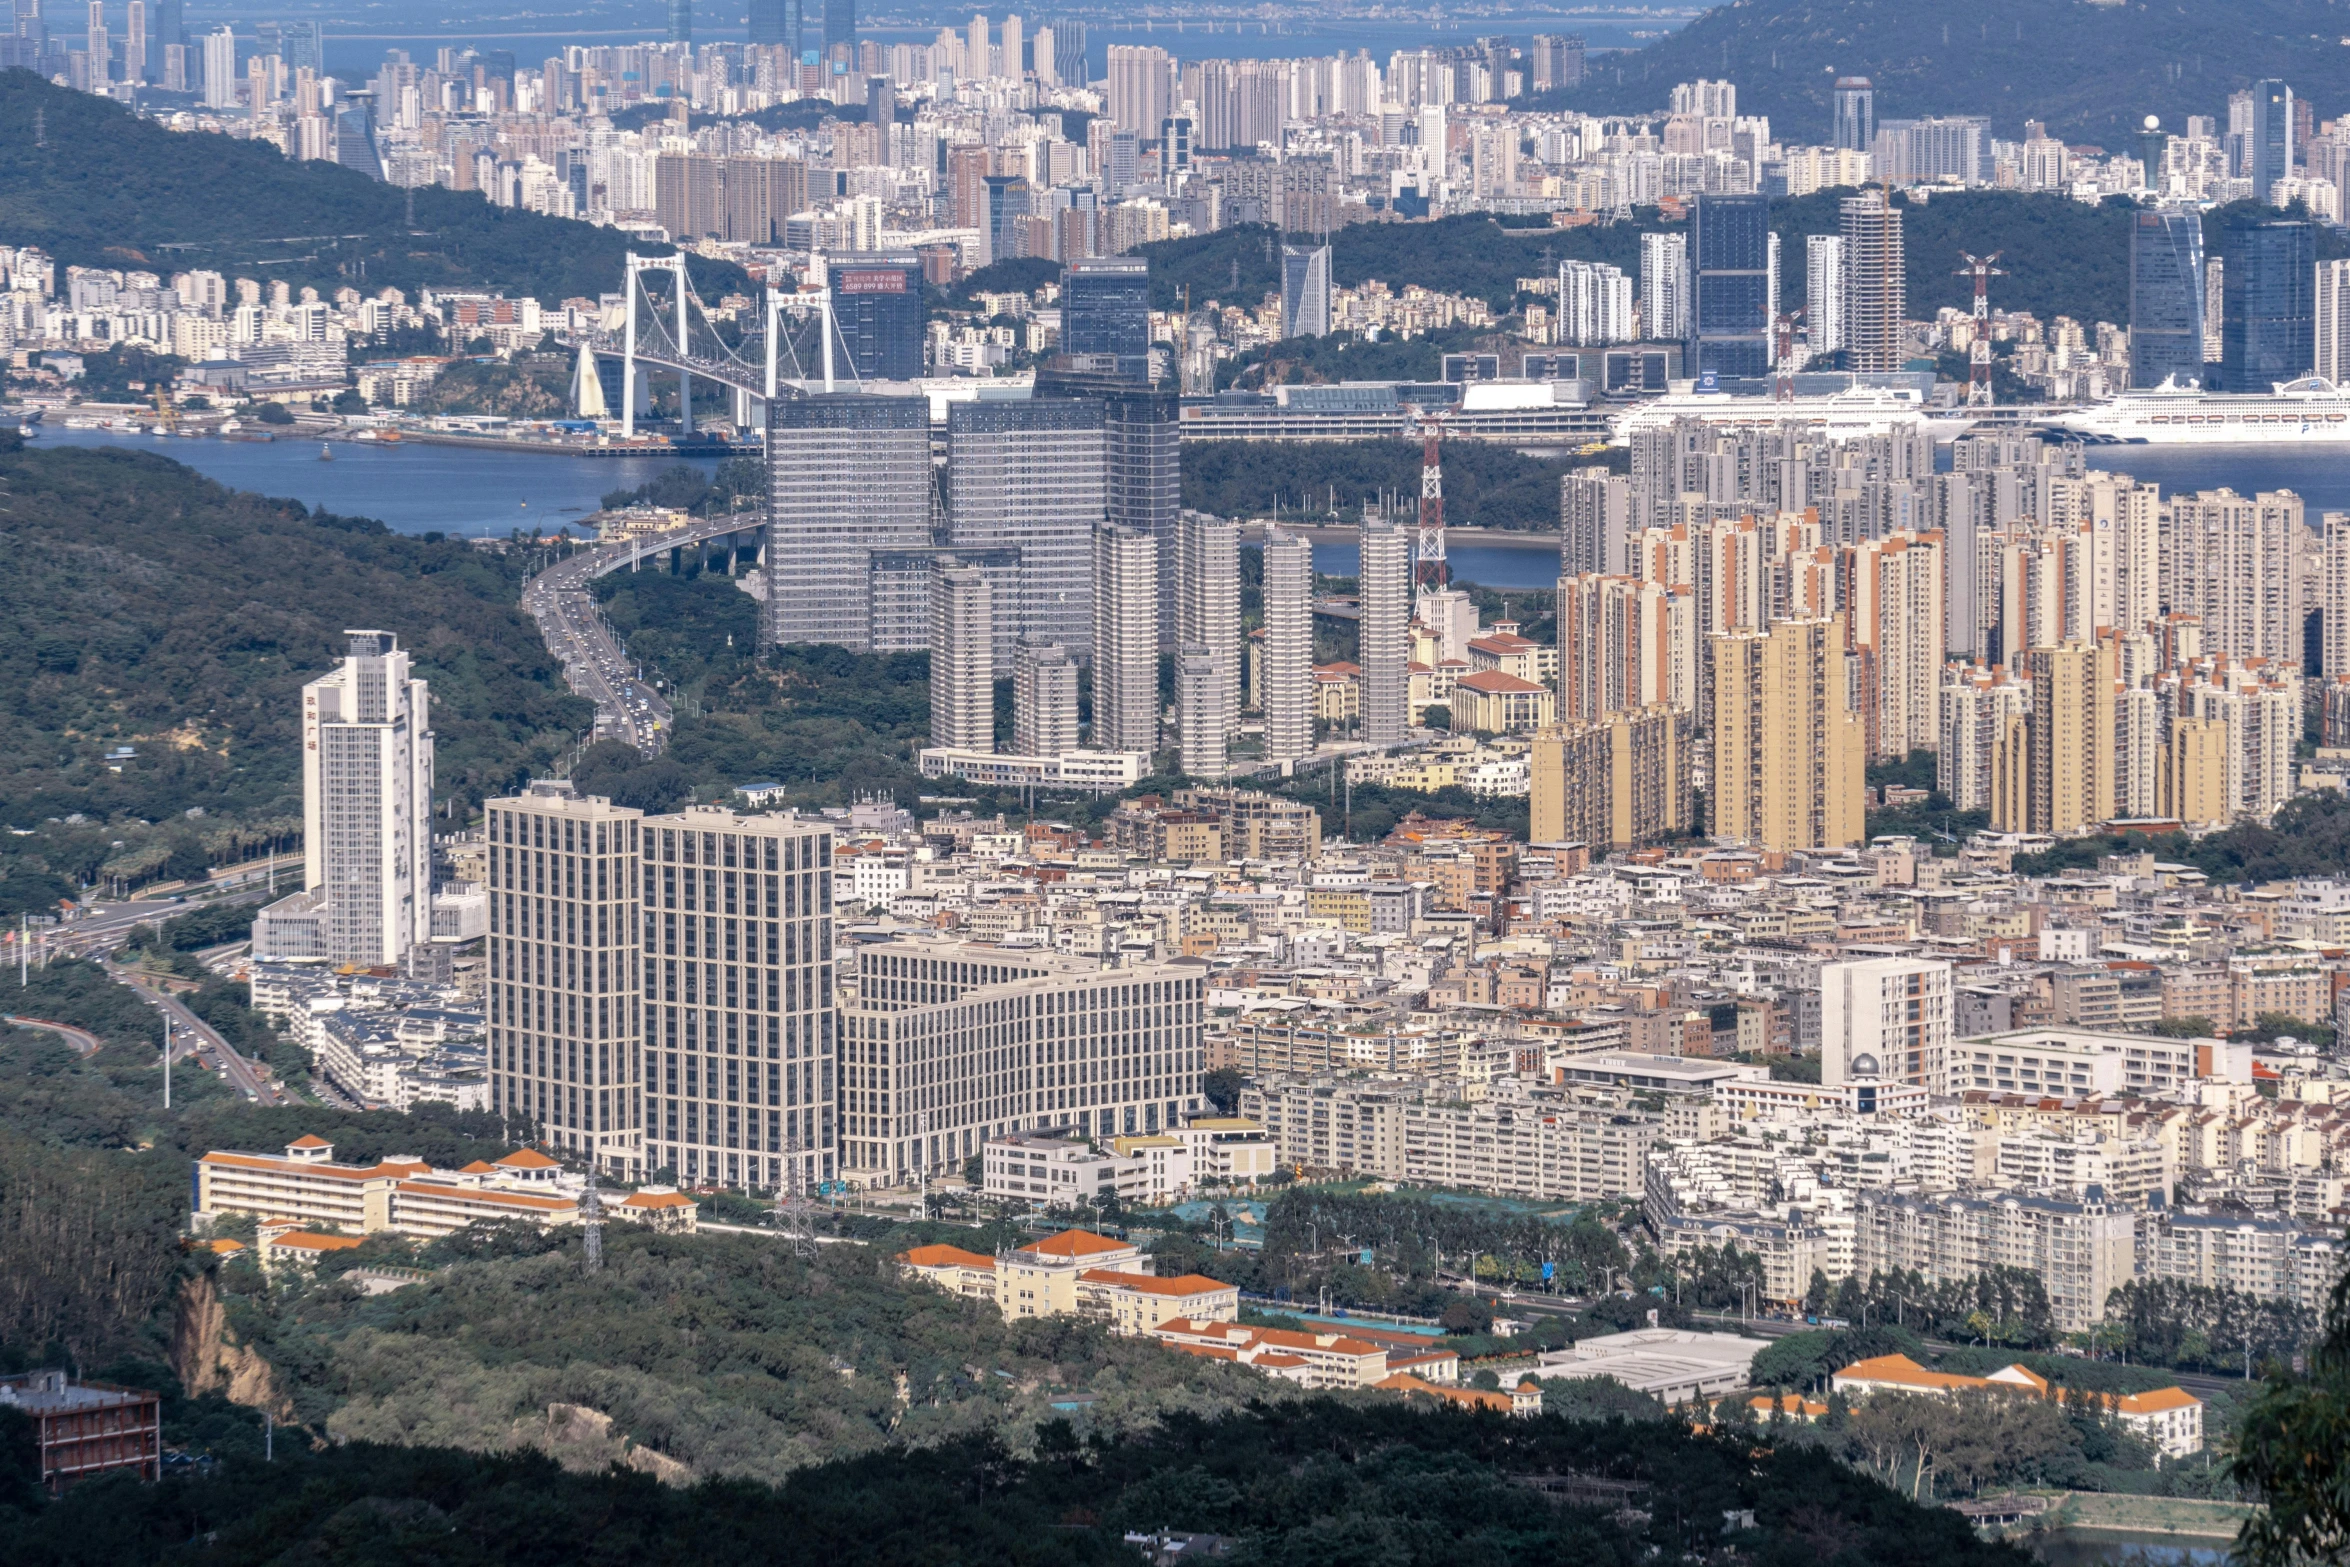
{"type": "Point", "coordinates": [1428, 549]}
{"type": "Point", "coordinates": [1783, 384]}
{"type": "Point", "coordinates": [795, 1215]}
{"type": "Point", "coordinates": [1978, 388]}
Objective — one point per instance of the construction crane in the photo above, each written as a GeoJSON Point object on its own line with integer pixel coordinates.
{"type": "Point", "coordinates": [1428, 564]}
{"type": "Point", "coordinates": [167, 417]}
{"type": "Point", "coordinates": [1978, 388]}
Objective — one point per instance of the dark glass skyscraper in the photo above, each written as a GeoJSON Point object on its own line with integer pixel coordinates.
{"type": "Point", "coordinates": [2166, 298]}
{"type": "Point", "coordinates": [1856, 113]}
{"type": "Point", "coordinates": [776, 22]}
{"type": "Point", "coordinates": [877, 299]}
{"type": "Point", "coordinates": [1106, 313]}
{"type": "Point", "coordinates": [681, 21]}
{"type": "Point", "coordinates": [1142, 477]}
{"type": "Point", "coordinates": [840, 27]}
{"type": "Point", "coordinates": [1730, 276]}
{"type": "Point", "coordinates": [2272, 135]}
{"type": "Point", "coordinates": [2268, 323]}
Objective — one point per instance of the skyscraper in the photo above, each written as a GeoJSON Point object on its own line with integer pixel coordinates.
{"type": "Point", "coordinates": [840, 28]}
{"type": "Point", "coordinates": [2268, 326]}
{"type": "Point", "coordinates": [846, 475]}
{"type": "Point", "coordinates": [739, 1076]}
{"type": "Point", "coordinates": [2053, 769]}
{"type": "Point", "coordinates": [1664, 287]}
{"type": "Point", "coordinates": [1729, 306]}
{"type": "Point", "coordinates": [1824, 292]}
{"type": "Point", "coordinates": [1876, 282]}
{"type": "Point", "coordinates": [566, 1016]}
{"type": "Point", "coordinates": [1286, 683]}
{"type": "Point", "coordinates": [100, 47]}
{"type": "Point", "coordinates": [1142, 471]}
{"type": "Point", "coordinates": [1305, 290]}
{"type": "Point", "coordinates": [1595, 304]}
{"type": "Point", "coordinates": [1044, 700]}
{"type": "Point", "coordinates": [681, 21]}
{"type": "Point", "coordinates": [1125, 641]}
{"type": "Point", "coordinates": [962, 660]}
{"type": "Point", "coordinates": [2271, 138]}
{"type": "Point", "coordinates": [2331, 322]}
{"type": "Point", "coordinates": [2166, 298]}
{"type": "Point", "coordinates": [1207, 615]}
{"type": "Point", "coordinates": [134, 41]}
{"type": "Point", "coordinates": [1856, 113]}
{"type": "Point", "coordinates": [1384, 645]}
{"type": "Point", "coordinates": [1106, 315]}
{"type": "Point", "coordinates": [1199, 711]}
{"type": "Point", "coordinates": [776, 22]}
{"type": "Point", "coordinates": [877, 302]}
{"type": "Point", "coordinates": [367, 757]}
{"type": "Point", "coordinates": [1789, 753]}
{"type": "Point", "coordinates": [1029, 476]}
{"type": "Point", "coordinates": [220, 69]}
{"type": "Point", "coordinates": [1138, 87]}
{"type": "Point", "coordinates": [171, 25]}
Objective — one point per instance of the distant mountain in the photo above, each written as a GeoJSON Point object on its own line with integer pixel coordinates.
{"type": "Point", "coordinates": [2091, 71]}
{"type": "Point", "coordinates": [94, 185]}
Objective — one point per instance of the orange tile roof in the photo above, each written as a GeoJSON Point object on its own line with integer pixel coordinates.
{"type": "Point", "coordinates": [527, 1159]}
{"type": "Point", "coordinates": [1151, 1284]}
{"type": "Point", "coordinates": [305, 1240]}
{"type": "Point", "coordinates": [2156, 1400]}
{"type": "Point", "coordinates": [1074, 1244]}
{"type": "Point", "coordinates": [476, 1194]}
{"type": "Point", "coordinates": [657, 1200]}
{"type": "Point", "coordinates": [944, 1257]}
{"type": "Point", "coordinates": [1475, 1398]}
{"type": "Point", "coordinates": [1496, 683]}
{"type": "Point", "coordinates": [309, 1140]}
{"type": "Point", "coordinates": [479, 1167]}
{"type": "Point", "coordinates": [1902, 1370]}
{"type": "Point", "coordinates": [261, 1161]}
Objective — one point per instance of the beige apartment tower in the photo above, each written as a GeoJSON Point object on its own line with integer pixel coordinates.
{"type": "Point", "coordinates": [565, 1010]}
{"type": "Point", "coordinates": [1788, 751]}
{"type": "Point", "coordinates": [1621, 781]}
{"type": "Point", "coordinates": [2053, 766]}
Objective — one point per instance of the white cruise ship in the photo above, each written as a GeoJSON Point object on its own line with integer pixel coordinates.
{"type": "Point", "coordinates": [2310, 409]}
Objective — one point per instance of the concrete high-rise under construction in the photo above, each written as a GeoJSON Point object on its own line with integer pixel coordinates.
{"type": "Point", "coordinates": [367, 769]}
{"type": "Point", "coordinates": [1384, 648]}
{"type": "Point", "coordinates": [1285, 685]}
{"type": "Point", "coordinates": [1125, 640]}
{"type": "Point", "coordinates": [847, 475]}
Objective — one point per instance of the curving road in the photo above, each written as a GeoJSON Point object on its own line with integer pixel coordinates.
{"type": "Point", "coordinates": [83, 1041]}
{"type": "Point", "coordinates": [576, 631]}
{"type": "Point", "coordinates": [192, 1036]}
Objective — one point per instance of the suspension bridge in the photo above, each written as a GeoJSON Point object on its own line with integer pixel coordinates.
{"type": "Point", "coordinates": [794, 347]}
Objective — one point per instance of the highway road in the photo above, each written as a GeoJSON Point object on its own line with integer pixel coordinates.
{"type": "Point", "coordinates": [593, 664]}
{"type": "Point", "coordinates": [82, 1040]}
{"type": "Point", "coordinates": [255, 1083]}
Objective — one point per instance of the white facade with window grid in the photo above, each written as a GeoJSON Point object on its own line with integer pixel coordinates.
{"type": "Point", "coordinates": [738, 999]}
{"type": "Point", "coordinates": [945, 1045]}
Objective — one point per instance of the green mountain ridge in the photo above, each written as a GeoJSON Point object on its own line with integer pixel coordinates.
{"type": "Point", "coordinates": [2090, 70]}
{"type": "Point", "coordinates": [99, 187]}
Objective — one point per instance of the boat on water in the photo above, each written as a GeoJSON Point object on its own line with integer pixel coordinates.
{"type": "Point", "coordinates": [326, 453]}
{"type": "Point", "coordinates": [2309, 409]}
{"type": "Point", "coordinates": [1859, 410]}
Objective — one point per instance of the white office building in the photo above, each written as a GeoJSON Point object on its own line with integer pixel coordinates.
{"type": "Point", "coordinates": [1887, 1018]}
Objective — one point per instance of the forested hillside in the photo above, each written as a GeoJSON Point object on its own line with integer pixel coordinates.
{"type": "Point", "coordinates": [98, 187]}
{"type": "Point", "coordinates": [2091, 71]}
{"type": "Point", "coordinates": [147, 606]}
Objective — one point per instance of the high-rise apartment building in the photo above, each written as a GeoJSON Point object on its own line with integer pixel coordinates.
{"type": "Point", "coordinates": [776, 22]}
{"type": "Point", "coordinates": [220, 69]}
{"type": "Point", "coordinates": [1729, 271]}
{"type": "Point", "coordinates": [1139, 78]}
{"type": "Point", "coordinates": [2330, 317]}
{"type": "Point", "coordinates": [1305, 290]}
{"type": "Point", "coordinates": [1044, 700]}
{"type": "Point", "coordinates": [1891, 596]}
{"type": "Point", "coordinates": [2053, 770]}
{"type": "Point", "coordinates": [1555, 62]}
{"type": "Point", "coordinates": [946, 1045]}
{"type": "Point", "coordinates": [1384, 637]}
{"type": "Point", "coordinates": [1976, 703]}
{"type": "Point", "coordinates": [367, 771]}
{"type": "Point", "coordinates": [2268, 326]}
{"type": "Point", "coordinates": [1824, 292]}
{"type": "Point", "coordinates": [1621, 781]}
{"type": "Point", "coordinates": [1106, 315]}
{"type": "Point", "coordinates": [962, 661]}
{"type": "Point", "coordinates": [1624, 644]}
{"type": "Point", "coordinates": [1891, 1019]}
{"type": "Point", "coordinates": [1595, 304]}
{"type": "Point", "coordinates": [1789, 754]}
{"type": "Point", "coordinates": [564, 1000]}
{"type": "Point", "coordinates": [1664, 287]}
{"type": "Point", "coordinates": [1876, 286]}
{"type": "Point", "coordinates": [1125, 640]}
{"type": "Point", "coordinates": [1207, 615]}
{"type": "Point", "coordinates": [2334, 599]}
{"type": "Point", "coordinates": [1029, 476]}
{"type": "Point", "coordinates": [1855, 127]}
{"type": "Point", "coordinates": [1285, 683]}
{"type": "Point", "coordinates": [1199, 711]}
{"type": "Point", "coordinates": [2166, 298]}
{"type": "Point", "coordinates": [2235, 561]}
{"type": "Point", "coordinates": [847, 475]}
{"type": "Point", "coordinates": [877, 304]}
{"type": "Point", "coordinates": [739, 1074]}
{"type": "Point", "coordinates": [1595, 520]}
